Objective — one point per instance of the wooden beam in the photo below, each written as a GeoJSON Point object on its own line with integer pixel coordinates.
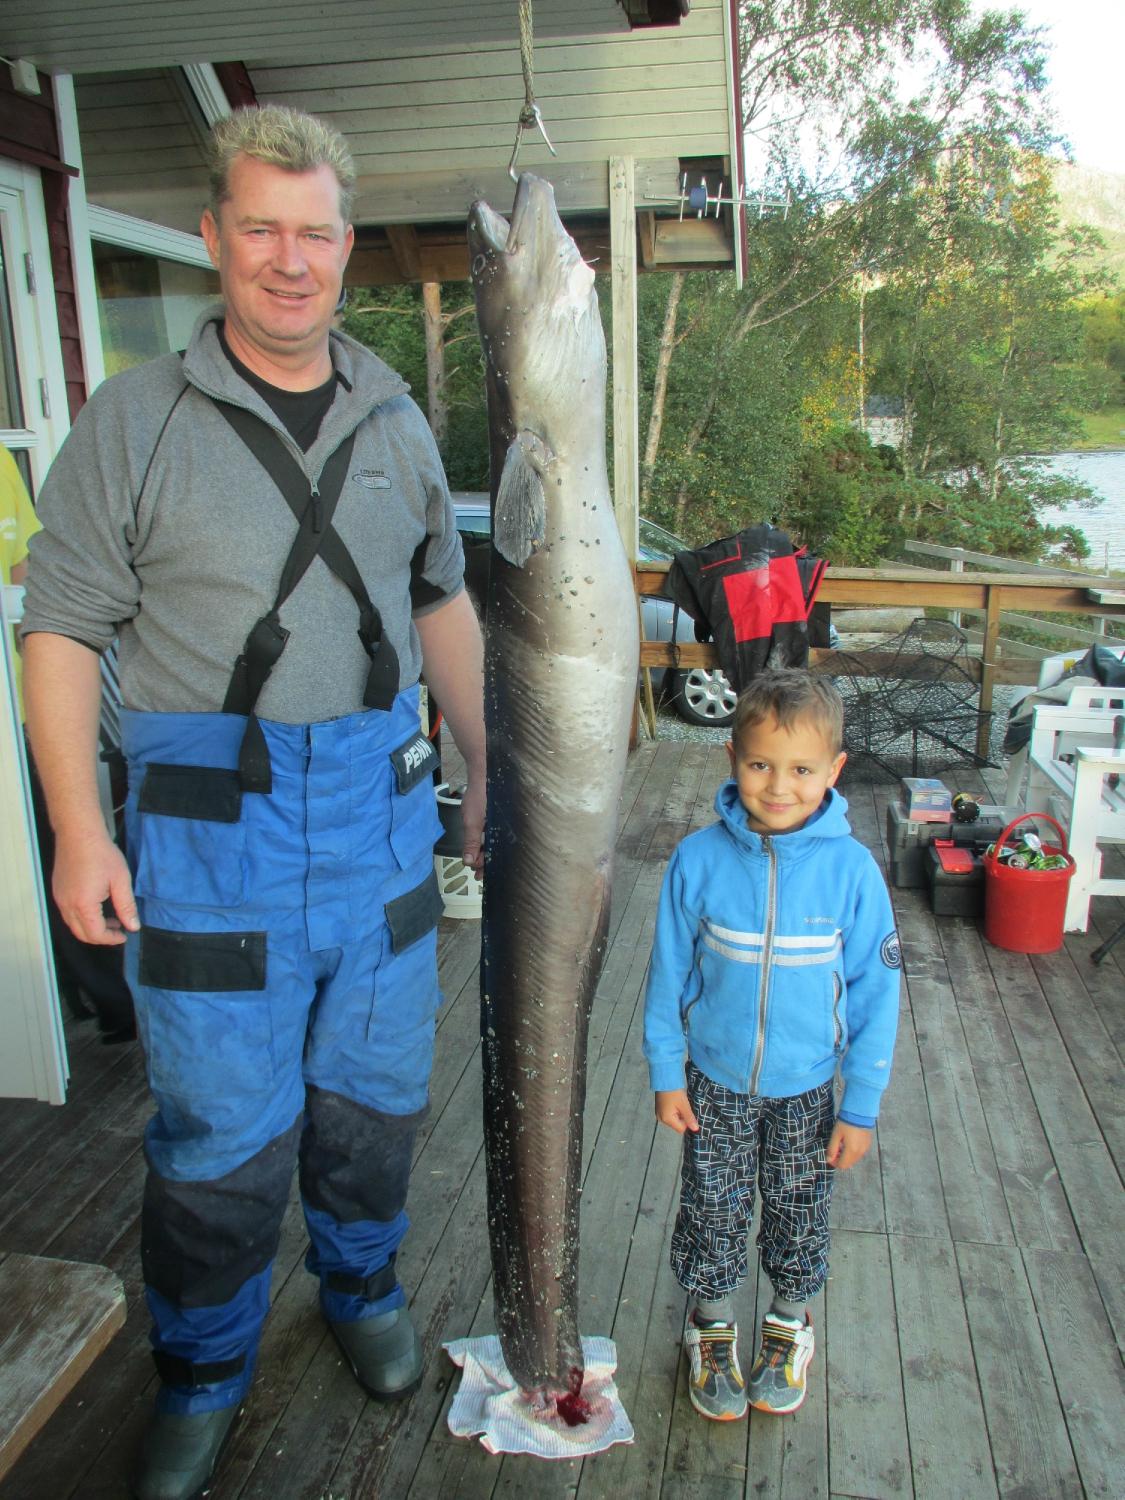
{"type": "Point", "coordinates": [921, 586]}
{"type": "Point", "coordinates": [403, 240]}
{"type": "Point", "coordinates": [623, 257]}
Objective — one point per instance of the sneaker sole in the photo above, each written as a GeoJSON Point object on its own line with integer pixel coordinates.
{"type": "Point", "coordinates": [714, 1416]}
{"type": "Point", "coordinates": [780, 1411]}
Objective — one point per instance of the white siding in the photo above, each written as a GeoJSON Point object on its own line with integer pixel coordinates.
{"type": "Point", "coordinates": [431, 131]}
{"type": "Point", "coordinates": [80, 36]}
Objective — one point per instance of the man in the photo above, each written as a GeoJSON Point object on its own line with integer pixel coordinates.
{"type": "Point", "coordinates": [279, 907]}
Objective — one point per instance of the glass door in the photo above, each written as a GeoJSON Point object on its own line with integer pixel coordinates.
{"type": "Point", "coordinates": [33, 421]}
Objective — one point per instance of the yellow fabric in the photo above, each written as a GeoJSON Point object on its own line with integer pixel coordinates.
{"type": "Point", "coordinates": [18, 523]}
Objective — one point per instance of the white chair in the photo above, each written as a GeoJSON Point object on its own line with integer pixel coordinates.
{"type": "Point", "coordinates": [1097, 815]}
{"type": "Point", "coordinates": [1074, 750]}
{"type": "Point", "coordinates": [1084, 718]}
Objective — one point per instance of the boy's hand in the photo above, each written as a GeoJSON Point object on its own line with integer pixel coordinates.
{"type": "Point", "coordinates": [846, 1145]}
{"type": "Point", "coordinates": [674, 1110]}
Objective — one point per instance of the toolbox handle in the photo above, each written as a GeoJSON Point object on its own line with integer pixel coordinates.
{"type": "Point", "coordinates": [1030, 817]}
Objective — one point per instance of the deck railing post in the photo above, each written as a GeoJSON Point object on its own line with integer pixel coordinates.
{"type": "Point", "coordinates": [957, 565]}
{"type": "Point", "coordinates": [989, 650]}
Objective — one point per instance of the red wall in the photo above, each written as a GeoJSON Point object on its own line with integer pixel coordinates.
{"type": "Point", "coordinates": [29, 134]}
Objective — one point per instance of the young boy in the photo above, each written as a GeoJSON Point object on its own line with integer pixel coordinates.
{"type": "Point", "coordinates": [775, 963]}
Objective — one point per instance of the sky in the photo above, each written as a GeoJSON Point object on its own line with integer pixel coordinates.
{"type": "Point", "coordinates": [1085, 62]}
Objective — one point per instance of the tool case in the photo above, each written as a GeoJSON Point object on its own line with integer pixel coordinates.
{"type": "Point", "coordinates": [955, 876]}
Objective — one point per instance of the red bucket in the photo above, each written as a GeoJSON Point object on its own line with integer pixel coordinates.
{"type": "Point", "coordinates": [1024, 909]}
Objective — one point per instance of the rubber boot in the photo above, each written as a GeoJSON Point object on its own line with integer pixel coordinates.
{"type": "Point", "coordinates": [179, 1453]}
{"type": "Point", "coordinates": [384, 1352]}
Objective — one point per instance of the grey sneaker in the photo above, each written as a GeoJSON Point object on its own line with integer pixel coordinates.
{"type": "Point", "coordinates": [777, 1377]}
{"type": "Point", "coordinates": [384, 1352]}
{"type": "Point", "coordinates": [715, 1384]}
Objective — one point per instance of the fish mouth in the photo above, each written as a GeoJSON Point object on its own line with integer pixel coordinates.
{"type": "Point", "coordinates": [491, 233]}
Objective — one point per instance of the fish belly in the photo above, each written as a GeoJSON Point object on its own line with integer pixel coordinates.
{"type": "Point", "coordinates": [560, 679]}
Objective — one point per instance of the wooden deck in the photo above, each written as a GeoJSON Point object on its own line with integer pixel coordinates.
{"type": "Point", "coordinates": [968, 1339]}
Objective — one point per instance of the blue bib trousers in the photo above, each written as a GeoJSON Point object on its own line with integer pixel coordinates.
{"type": "Point", "coordinates": [285, 979]}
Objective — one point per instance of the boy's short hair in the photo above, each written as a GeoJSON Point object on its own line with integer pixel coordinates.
{"type": "Point", "coordinates": [283, 137]}
{"type": "Point", "coordinates": [788, 696]}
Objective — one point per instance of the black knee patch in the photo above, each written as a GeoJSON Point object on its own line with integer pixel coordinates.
{"type": "Point", "coordinates": [355, 1161]}
{"type": "Point", "coordinates": [201, 1241]}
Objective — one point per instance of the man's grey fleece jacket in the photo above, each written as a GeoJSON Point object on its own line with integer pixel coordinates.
{"type": "Point", "coordinates": [160, 525]}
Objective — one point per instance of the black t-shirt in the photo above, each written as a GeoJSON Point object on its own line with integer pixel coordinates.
{"type": "Point", "coordinates": [301, 412]}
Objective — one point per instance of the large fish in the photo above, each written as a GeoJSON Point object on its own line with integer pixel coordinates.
{"type": "Point", "coordinates": [560, 675]}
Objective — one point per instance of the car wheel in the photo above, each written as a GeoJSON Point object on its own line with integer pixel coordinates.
{"type": "Point", "coordinates": [704, 696]}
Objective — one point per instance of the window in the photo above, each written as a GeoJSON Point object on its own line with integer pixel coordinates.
{"type": "Point", "coordinates": [147, 304]}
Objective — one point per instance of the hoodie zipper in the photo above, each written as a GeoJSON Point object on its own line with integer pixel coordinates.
{"type": "Point", "coordinates": [767, 959]}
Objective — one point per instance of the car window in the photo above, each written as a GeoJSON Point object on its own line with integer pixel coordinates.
{"type": "Point", "coordinates": [657, 545]}
{"type": "Point", "coordinates": [654, 543]}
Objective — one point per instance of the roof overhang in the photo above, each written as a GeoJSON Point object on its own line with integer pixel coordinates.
{"type": "Point", "coordinates": [84, 36]}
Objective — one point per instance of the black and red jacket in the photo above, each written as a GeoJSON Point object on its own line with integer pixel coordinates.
{"type": "Point", "coordinates": [751, 593]}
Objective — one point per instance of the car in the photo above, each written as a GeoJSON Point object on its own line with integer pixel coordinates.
{"type": "Point", "coordinates": [701, 695]}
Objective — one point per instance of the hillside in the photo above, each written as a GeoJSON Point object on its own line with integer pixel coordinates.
{"type": "Point", "coordinates": [1088, 196]}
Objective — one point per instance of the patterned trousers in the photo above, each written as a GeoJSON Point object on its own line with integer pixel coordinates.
{"type": "Point", "coordinates": [744, 1142]}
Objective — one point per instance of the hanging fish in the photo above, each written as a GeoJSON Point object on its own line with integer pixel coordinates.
{"type": "Point", "coordinates": [561, 651]}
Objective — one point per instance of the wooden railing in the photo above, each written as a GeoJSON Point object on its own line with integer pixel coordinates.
{"type": "Point", "coordinates": [1060, 637]}
{"type": "Point", "coordinates": [989, 593]}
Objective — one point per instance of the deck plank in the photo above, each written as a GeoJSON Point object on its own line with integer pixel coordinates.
{"type": "Point", "coordinates": [867, 1430]}
{"type": "Point", "coordinates": [965, 1159]}
{"type": "Point", "coordinates": [1087, 1171]}
{"type": "Point", "coordinates": [949, 1448]}
{"type": "Point", "coordinates": [1086, 1369]}
{"type": "Point", "coordinates": [1030, 1447]}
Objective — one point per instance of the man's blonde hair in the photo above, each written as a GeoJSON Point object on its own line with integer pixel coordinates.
{"type": "Point", "coordinates": [790, 696]}
{"type": "Point", "coordinates": [285, 138]}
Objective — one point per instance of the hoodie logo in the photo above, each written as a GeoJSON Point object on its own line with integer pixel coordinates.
{"type": "Point", "coordinates": [372, 479]}
{"type": "Point", "coordinates": [891, 952]}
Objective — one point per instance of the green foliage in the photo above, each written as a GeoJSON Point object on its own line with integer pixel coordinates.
{"type": "Point", "coordinates": [389, 321]}
{"type": "Point", "coordinates": [842, 500]}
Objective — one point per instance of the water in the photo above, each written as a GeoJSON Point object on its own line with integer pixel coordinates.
{"type": "Point", "coordinates": [1104, 526]}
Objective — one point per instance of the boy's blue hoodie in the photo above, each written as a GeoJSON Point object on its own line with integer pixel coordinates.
{"type": "Point", "coordinates": [775, 961]}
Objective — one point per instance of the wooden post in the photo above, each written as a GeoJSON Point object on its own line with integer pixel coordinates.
{"type": "Point", "coordinates": [989, 650]}
{"type": "Point", "coordinates": [623, 266]}
{"type": "Point", "coordinates": [436, 409]}
{"type": "Point", "coordinates": [957, 565]}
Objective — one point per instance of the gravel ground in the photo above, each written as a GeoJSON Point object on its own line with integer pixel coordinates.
{"type": "Point", "coordinates": [670, 726]}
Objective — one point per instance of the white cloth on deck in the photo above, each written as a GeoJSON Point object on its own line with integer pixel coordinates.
{"type": "Point", "coordinates": [490, 1403]}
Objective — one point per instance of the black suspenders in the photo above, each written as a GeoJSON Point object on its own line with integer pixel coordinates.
{"type": "Point", "coordinates": [316, 536]}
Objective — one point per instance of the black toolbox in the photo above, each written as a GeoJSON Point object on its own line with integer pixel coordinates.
{"type": "Point", "coordinates": [907, 842]}
{"type": "Point", "coordinates": [955, 876]}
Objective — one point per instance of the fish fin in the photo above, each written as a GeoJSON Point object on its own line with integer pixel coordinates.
{"type": "Point", "coordinates": [519, 524]}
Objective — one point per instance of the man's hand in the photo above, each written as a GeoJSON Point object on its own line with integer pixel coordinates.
{"type": "Point", "coordinates": [472, 825]}
{"type": "Point", "coordinates": [847, 1144]}
{"type": "Point", "coordinates": [674, 1110]}
{"type": "Point", "coordinates": [88, 872]}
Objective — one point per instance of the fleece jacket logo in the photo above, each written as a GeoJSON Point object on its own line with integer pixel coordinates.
{"type": "Point", "coordinates": [372, 479]}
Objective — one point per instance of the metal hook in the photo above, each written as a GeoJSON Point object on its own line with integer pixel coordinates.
{"type": "Point", "coordinates": [529, 116]}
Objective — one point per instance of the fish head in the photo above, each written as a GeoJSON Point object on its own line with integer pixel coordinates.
{"type": "Point", "coordinates": [537, 311]}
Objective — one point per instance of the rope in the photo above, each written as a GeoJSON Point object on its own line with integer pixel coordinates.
{"type": "Point", "coordinates": [527, 62]}
{"type": "Point", "coordinates": [530, 118]}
